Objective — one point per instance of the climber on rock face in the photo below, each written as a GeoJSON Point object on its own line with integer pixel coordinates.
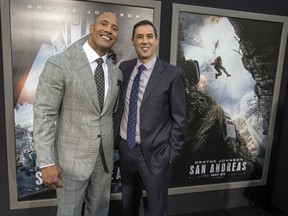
{"type": "Point", "coordinates": [218, 67]}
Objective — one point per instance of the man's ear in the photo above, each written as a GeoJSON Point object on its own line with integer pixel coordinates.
{"type": "Point", "coordinates": [91, 28]}
{"type": "Point", "coordinates": [157, 39]}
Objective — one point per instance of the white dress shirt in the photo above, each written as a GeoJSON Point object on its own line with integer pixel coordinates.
{"type": "Point", "coordinates": [92, 56]}
{"type": "Point", "coordinates": [145, 76]}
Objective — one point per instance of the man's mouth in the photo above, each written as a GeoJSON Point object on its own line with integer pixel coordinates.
{"type": "Point", "coordinates": [106, 37]}
{"type": "Point", "coordinates": [145, 48]}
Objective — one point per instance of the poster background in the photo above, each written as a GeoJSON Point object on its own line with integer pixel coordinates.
{"type": "Point", "coordinates": [230, 117]}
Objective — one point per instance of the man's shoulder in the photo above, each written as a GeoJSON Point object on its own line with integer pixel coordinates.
{"type": "Point", "coordinates": [130, 61]}
{"type": "Point", "coordinates": [72, 52]}
{"type": "Point", "coordinates": [112, 66]}
{"type": "Point", "coordinates": [127, 63]}
{"type": "Point", "coordinates": [167, 66]}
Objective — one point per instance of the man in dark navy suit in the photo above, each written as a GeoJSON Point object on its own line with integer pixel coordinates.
{"type": "Point", "coordinates": [149, 123]}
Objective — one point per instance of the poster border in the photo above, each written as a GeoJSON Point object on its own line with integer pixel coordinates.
{"type": "Point", "coordinates": [8, 97]}
{"type": "Point", "coordinates": [177, 8]}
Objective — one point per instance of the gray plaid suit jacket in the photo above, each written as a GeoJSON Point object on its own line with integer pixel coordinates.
{"type": "Point", "coordinates": [68, 126]}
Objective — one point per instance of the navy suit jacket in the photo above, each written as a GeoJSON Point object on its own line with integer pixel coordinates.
{"type": "Point", "coordinates": [162, 113]}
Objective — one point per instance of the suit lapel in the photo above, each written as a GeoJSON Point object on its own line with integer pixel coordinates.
{"type": "Point", "coordinates": [83, 69]}
{"type": "Point", "coordinates": [126, 78]}
{"type": "Point", "coordinates": [154, 79]}
{"type": "Point", "coordinates": [112, 77]}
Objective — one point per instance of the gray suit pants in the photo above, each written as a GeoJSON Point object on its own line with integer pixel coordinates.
{"type": "Point", "coordinates": [94, 191]}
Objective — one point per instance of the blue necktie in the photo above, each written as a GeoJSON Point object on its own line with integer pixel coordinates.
{"type": "Point", "coordinates": [99, 79]}
{"type": "Point", "coordinates": [132, 116]}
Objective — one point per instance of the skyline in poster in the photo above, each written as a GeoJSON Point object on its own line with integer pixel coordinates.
{"type": "Point", "coordinates": [235, 94]}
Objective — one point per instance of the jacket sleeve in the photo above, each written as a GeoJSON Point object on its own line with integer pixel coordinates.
{"type": "Point", "coordinates": [178, 115]}
{"type": "Point", "coordinates": [48, 100]}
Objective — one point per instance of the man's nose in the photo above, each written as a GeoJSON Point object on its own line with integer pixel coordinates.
{"type": "Point", "coordinates": [145, 40]}
{"type": "Point", "coordinates": [109, 28]}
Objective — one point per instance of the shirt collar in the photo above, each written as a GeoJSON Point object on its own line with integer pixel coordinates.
{"type": "Point", "coordinates": [91, 54]}
{"type": "Point", "coordinates": [149, 65]}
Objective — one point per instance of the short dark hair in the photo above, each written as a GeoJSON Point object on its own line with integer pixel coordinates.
{"type": "Point", "coordinates": [141, 23]}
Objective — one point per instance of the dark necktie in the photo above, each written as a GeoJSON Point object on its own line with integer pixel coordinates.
{"type": "Point", "coordinates": [99, 79]}
{"type": "Point", "coordinates": [132, 116]}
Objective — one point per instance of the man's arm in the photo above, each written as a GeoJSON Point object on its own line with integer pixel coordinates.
{"type": "Point", "coordinates": [178, 114]}
{"type": "Point", "coordinates": [46, 111]}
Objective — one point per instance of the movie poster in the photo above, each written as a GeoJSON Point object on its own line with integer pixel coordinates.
{"type": "Point", "coordinates": [230, 67]}
{"type": "Point", "coordinates": [40, 29]}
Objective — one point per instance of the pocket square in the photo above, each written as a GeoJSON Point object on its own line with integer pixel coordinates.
{"type": "Point", "coordinates": [119, 82]}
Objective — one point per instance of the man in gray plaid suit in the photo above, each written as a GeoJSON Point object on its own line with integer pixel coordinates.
{"type": "Point", "coordinates": [73, 134]}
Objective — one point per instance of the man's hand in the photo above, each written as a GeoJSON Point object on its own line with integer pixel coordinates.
{"type": "Point", "coordinates": [51, 176]}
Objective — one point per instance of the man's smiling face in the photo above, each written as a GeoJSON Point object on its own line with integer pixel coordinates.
{"type": "Point", "coordinates": [145, 42]}
{"type": "Point", "coordinates": [104, 33]}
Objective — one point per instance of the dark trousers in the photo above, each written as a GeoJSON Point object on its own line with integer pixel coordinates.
{"type": "Point", "coordinates": [135, 176]}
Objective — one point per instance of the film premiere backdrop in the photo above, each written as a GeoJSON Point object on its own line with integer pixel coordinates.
{"type": "Point", "coordinates": [230, 119]}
